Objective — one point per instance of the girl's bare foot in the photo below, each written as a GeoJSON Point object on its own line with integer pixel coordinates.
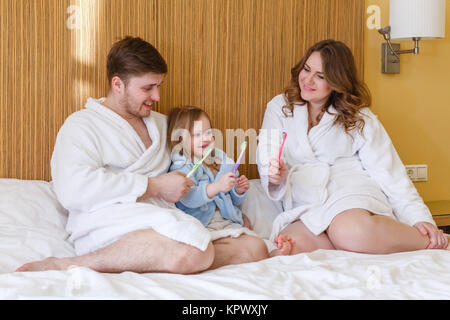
{"type": "Point", "coordinates": [285, 245]}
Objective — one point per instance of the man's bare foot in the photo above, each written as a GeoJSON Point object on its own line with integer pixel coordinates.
{"type": "Point", "coordinates": [44, 265]}
{"type": "Point", "coordinates": [285, 245]}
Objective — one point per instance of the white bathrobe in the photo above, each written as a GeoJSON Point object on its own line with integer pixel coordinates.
{"type": "Point", "coordinates": [329, 171]}
{"type": "Point", "coordinates": [100, 166]}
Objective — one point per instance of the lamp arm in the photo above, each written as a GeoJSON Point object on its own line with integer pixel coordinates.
{"type": "Point", "coordinates": [395, 53]}
{"type": "Point", "coordinates": [415, 50]}
{"type": "Point", "coordinates": [386, 32]}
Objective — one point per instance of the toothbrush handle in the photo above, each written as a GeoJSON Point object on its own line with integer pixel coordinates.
{"type": "Point", "coordinates": [238, 161]}
{"type": "Point", "coordinates": [237, 164]}
{"type": "Point", "coordinates": [192, 171]}
{"type": "Point", "coordinates": [199, 163]}
{"type": "Point", "coordinates": [281, 148]}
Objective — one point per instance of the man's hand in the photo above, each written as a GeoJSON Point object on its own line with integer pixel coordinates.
{"type": "Point", "coordinates": [171, 187]}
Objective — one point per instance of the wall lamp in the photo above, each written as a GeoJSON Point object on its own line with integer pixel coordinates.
{"type": "Point", "coordinates": [410, 20]}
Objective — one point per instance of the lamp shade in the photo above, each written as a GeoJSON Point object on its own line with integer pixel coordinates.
{"type": "Point", "coordinates": [417, 18]}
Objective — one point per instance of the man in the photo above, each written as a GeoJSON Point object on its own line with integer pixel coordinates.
{"type": "Point", "coordinates": [109, 169]}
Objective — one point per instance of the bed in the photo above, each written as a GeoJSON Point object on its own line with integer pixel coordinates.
{"type": "Point", "coordinates": [32, 227]}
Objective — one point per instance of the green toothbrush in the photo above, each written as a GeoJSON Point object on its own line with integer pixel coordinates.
{"type": "Point", "coordinates": [207, 152]}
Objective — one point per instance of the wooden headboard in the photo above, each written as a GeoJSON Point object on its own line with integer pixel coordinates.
{"type": "Point", "coordinates": [229, 57]}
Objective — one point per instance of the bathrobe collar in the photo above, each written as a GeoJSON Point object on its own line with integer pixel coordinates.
{"type": "Point", "coordinates": [302, 147]}
{"type": "Point", "coordinates": [97, 106]}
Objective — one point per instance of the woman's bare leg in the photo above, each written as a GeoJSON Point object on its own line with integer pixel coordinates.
{"type": "Point", "coordinates": [139, 251]}
{"type": "Point", "coordinates": [305, 240]}
{"type": "Point", "coordinates": [361, 231]}
{"type": "Point", "coordinates": [243, 249]}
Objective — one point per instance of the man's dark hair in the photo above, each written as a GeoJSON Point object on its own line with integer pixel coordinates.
{"type": "Point", "coordinates": [133, 57]}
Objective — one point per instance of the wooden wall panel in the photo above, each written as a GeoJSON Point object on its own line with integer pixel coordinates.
{"type": "Point", "coordinates": [34, 84]}
{"type": "Point", "coordinates": [229, 57]}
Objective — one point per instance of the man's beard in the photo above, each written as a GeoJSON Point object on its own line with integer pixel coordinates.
{"type": "Point", "coordinates": [127, 105]}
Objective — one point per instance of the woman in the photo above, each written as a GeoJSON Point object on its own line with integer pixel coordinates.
{"type": "Point", "coordinates": [340, 180]}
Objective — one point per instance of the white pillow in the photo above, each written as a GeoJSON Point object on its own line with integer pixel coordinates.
{"type": "Point", "coordinates": [32, 224]}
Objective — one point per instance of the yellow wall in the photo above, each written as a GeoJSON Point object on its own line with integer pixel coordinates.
{"type": "Point", "coordinates": [414, 106]}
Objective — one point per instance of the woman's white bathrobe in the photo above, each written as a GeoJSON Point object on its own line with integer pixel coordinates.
{"type": "Point", "coordinates": [100, 166]}
{"type": "Point", "coordinates": [329, 171]}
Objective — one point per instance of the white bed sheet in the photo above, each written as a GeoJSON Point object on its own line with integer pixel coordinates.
{"type": "Point", "coordinates": [318, 275]}
{"type": "Point", "coordinates": [32, 227]}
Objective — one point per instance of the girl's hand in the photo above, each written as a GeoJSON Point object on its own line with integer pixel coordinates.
{"type": "Point", "coordinates": [438, 240]}
{"type": "Point", "coordinates": [242, 185]}
{"type": "Point", "coordinates": [278, 171]}
{"type": "Point", "coordinates": [226, 182]}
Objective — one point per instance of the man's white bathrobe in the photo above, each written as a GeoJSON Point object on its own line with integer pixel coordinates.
{"type": "Point", "coordinates": [100, 166]}
{"type": "Point", "coordinates": [330, 171]}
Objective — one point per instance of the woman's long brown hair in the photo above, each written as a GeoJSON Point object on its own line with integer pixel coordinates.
{"type": "Point", "coordinates": [349, 93]}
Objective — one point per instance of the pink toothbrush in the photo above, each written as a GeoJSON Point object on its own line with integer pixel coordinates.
{"type": "Point", "coordinates": [282, 145]}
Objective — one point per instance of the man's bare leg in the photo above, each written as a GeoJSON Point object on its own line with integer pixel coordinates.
{"type": "Point", "coordinates": [243, 249]}
{"type": "Point", "coordinates": [139, 251]}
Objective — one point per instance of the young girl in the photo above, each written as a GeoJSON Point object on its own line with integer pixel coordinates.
{"type": "Point", "coordinates": [218, 191]}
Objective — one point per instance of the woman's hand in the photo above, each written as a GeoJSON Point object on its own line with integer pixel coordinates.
{"type": "Point", "coordinates": [438, 240]}
{"type": "Point", "coordinates": [278, 171]}
{"type": "Point", "coordinates": [242, 185]}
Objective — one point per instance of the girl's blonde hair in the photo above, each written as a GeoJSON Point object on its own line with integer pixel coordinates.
{"type": "Point", "coordinates": [180, 125]}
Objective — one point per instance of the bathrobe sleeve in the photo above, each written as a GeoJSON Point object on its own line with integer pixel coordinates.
{"type": "Point", "coordinates": [380, 159]}
{"type": "Point", "coordinates": [236, 198]}
{"type": "Point", "coordinates": [80, 180]}
{"type": "Point", "coordinates": [197, 197]}
{"type": "Point", "coordinates": [268, 145]}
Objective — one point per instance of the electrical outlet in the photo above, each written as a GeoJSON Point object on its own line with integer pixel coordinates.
{"type": "Point", "coordinates": [417, 172]}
